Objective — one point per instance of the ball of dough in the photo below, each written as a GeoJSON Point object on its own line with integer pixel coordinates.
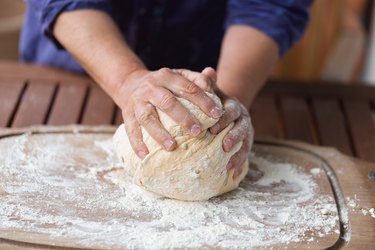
{"type": "Point", "coordinates": [195, 171]}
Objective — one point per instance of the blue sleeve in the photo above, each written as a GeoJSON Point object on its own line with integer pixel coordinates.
{"type": "Point", "coordinates": [48, 10]}
{"type": "Point", "coordinates": [282, 20]}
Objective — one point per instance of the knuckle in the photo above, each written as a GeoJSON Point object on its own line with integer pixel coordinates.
{"type": "Point", "coordinates": [237, 111]}
{"type": "Point", "coordinates": [163, 71]}
{"type": "Point", "coordinates": [230, 104]}
{"type": "Point", "coordinates": [144, 117]}
{"type": "Point", "coordinates": [232, 107]}
{"type": "Point", "coordinates": [235, 158]}
{"type": "Point", "coordinates": [167, 102]}
{"type": "Point", "coordinates": [191, 88]}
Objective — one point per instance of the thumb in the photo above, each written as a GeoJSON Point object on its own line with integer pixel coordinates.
{"type": "Point", "coordinates": [211, 73]}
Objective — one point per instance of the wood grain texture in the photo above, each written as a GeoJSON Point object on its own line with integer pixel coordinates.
{"type": "Point", "coordinates": [362, 127]}
{"type": "Point", "coordinates": [68, 104]}
{"type": "Point", "coordinates": [10, 93]}
{"type": "Point", "coordinates": [331, 124]}
{"type": "Point", "coordinates": [297, 119]}
{"type": "Point", "coordinates": [15, 70]}
{"type": "Point", "coordinates": [265, 117]}
{"type": "Point", "coordinates": [316, 88]}
{"type": "Point", "coordinates": [35, 104]}
{"type": "Point", "coordinates": [99, 108]}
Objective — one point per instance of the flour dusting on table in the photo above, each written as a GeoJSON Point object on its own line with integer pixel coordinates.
{"type": "Point", "coordinates": [71, 187]}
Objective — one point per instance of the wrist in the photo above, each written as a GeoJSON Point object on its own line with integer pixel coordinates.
{"type": "Point", "coordinates": [123, 82]}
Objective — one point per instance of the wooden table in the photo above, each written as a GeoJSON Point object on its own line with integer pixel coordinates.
{"type": "Point", "coordinates": [334, 115]}
{"type": "Point", "coordinates": [323, 114]}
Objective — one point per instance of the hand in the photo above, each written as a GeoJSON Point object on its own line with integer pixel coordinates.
{"type": "Point", "coordinates": [143, 91]}
{"type": "Point", "coordinates": [234, 111]}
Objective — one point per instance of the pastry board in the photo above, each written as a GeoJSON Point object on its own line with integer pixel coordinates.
{"type": "Point", "coordinates": [67, 202]}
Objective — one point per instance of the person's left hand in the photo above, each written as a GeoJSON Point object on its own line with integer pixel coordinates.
{"type": "Point", "coordinates": [234, 111]}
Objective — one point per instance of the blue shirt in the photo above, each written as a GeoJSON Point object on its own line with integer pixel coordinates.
{"type": "Point", "coordinates": [174, 33]}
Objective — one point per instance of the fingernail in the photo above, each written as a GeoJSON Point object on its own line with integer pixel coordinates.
{"type": "Point", "coordinates": [168, 144]}
{"type": "Point", "coordinates": [216, 112]}
{"type": "Point", "coordinates": [227, 144]}
{"type": "Point", "coordinates": [142, 154]}
{"type": "Point", "coordinates": [195, 129]}
{"type": "Point", "coordinates": [215, 128]}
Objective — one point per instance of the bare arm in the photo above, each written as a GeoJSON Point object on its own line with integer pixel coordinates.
{"type": "Point", "coordinates": [246, 61]}
{"type": "Point", "coordinates": [94, 40]}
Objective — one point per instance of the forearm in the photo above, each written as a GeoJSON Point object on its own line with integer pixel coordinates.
{"type": "Point", "coordinates": [247, 59]}
{"type": "Point", "coordinates": [94, 40]}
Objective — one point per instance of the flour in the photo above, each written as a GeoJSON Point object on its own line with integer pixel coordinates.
{"type": "Point", "coordinates": [368, 211]}
{"type": "Point", "coordinates": [315, 171]}
{"type": "Point", "coordinates": [71, 187]}
{"type": "Point", "coordinates": [354, 205]}
{"type": "Point", "coordinates": [372, 212]}
{"type": "Point", "coordinates": [352, 202]}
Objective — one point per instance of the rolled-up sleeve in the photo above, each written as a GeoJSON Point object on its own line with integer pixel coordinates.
{"type": "Point", "coordinates": [48, 10]}
{"type": "Point", "coordinates": [284, 21]}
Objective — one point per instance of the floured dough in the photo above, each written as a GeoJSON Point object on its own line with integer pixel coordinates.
{"type": "Point", "coordinates": [196, 170]}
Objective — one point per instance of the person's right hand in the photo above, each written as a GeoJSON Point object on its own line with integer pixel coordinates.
{"type": "Point", "coordinates": [143, 91]}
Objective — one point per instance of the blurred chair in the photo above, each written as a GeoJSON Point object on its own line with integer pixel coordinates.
{"type": "Point", "coordinates": [333, 47]}
{"type": "Point", "coordinates": [11, 19]}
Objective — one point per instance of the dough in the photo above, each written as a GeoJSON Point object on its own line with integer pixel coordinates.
{"type": "Point", "coordinates": [195, 171]}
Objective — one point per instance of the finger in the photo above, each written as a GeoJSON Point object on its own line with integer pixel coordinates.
{"type": "Point", "coordinates": [232, 112]}
{"type": "Point", "coordinates": [202, 80]}
{"type": "Point", "coordinates": [147, 117]}
{"type": "Point", "coordinates": [167, 102]}
{"type": "Point", "coordinates": [211, 73]}
{"type": "Point", "coordinates": [188, 90]}
{"type": "Point", "coordinates": [241, 130]}
{"type": "Point", "coordinates": [134, 132]}
{"type": "Point", "coordinates": [237, 160]}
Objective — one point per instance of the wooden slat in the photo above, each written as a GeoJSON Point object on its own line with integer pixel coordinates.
{"type": "Point", "coordinates": [99, 109]}
{"type": "Point", "coordinates": [331, 124]}
{"type": "Point", "coordinates": [319, 89]}
{"type": "Point", "coordinates": [35, 104]}
{"type": "Point", "coordinates": [265, 117]}
{"type": "Point", "coordinates": [68, 104]}
{"type": "Point", "coordinates": [297, 119]}
{"type": "Point", "coordinates": [24, 71]}
{"type": "Point", "coordinates": [10, 92]}
{"type": "Point", "coordinates": [362, 127]}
